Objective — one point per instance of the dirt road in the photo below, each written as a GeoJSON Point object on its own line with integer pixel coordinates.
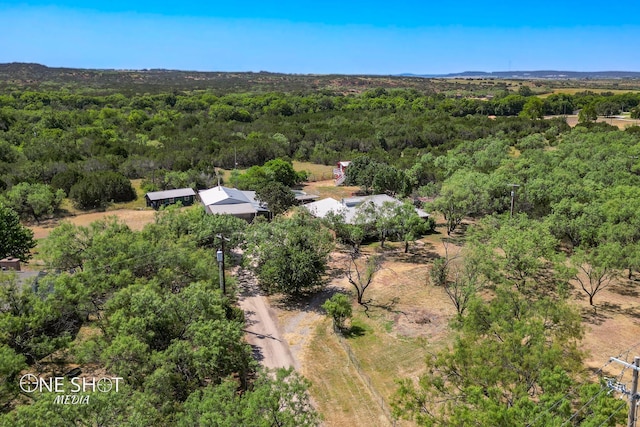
{"type": "Point", "coordinates": [262, 330]}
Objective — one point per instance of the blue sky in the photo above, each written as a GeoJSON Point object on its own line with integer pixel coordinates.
{"type": "Point", "coordinates": [346, 37]}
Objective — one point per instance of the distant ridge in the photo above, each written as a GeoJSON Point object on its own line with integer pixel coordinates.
{"type": "Point", "coordinates": [35, 76]}
{"type": "Point", "coordinates": [540, 74]}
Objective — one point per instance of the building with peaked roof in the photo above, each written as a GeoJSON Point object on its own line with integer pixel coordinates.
{"type": "Point", "coordinates": [157, 199]}
{"type": "Point", "coordinates": [340, 172]}
{"type": "Point", "coordinates": [231, 201]}
{"type": "Point", "coordinates": [349, 206]}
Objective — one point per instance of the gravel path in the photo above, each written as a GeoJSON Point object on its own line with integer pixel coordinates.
{"type": "Point", "coordinates": [262, 330]}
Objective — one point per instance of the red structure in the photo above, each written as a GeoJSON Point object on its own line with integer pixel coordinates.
{"type": "Point", "coordinates": [339, 173]}
{"type": "Point", "coordinates": [10, 263]}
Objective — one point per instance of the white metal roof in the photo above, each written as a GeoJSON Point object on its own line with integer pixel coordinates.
{"type": "Point", "coordinates": [232, 209]}
{"type": "Point", "coordinates": [349, 206]}
{"type": "Point", "coordinates": [222, 196]}
{"type": "Point", "coordinates": [322, 207]}
{"type": "Point", "coordinates": [169, 194]}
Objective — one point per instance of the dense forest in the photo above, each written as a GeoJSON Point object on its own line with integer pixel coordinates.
{"type": "Point", "coordinates": [86, 144]}
{"type": "Point", "coordinates": [551, 205]}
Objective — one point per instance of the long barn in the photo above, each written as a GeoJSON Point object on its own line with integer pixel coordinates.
{"type": "Point", "coordinates": [157, 199]}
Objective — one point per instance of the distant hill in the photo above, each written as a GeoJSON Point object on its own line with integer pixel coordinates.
{"type": "Point", "coordinates": [37, 76]}
{"type": "Point", "coordinates": [152, 80]}
{"type": "Point", "coordinates": [542, 74]}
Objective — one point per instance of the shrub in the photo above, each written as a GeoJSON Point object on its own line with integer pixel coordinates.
{"type": "Point", "coordinates": [97, 189]}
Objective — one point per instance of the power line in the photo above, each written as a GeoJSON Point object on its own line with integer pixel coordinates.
{"type": "Point", "coordinates": [597, 372]}
{"type": "Point", "coordinates": [612, 414]}
{"type": "Point", "coordinates": [584, 406]}
{"type": "Point", "coordinates": [563, 398]}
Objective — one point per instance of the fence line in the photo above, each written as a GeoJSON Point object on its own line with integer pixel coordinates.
{"type": "Point", "coordinates": [365, 378]}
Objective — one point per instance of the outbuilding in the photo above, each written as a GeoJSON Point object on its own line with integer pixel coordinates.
{"type": "Point", "coordinates": [157, 199]}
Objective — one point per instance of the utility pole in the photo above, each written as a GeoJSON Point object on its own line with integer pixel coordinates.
{"type": "Point", "coordinates": [220, 257]}
{"type": "Point", "coordinates": [633, 394]}
{"type": "Point", "coordinates": [513, 195]}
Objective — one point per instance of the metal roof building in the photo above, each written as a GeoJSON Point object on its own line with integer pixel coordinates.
{"type": "Point", "coordinates": [349, 206]}
{"type": "Point", "coordinates": [156, 199]}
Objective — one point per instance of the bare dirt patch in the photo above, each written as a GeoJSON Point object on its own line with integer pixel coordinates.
{"type": "Point", "coordinates": [135, 219]}
{"type": "Point", "coordinates": [613, 328]}
{"type": "Point", "coordinates": [328, 188]}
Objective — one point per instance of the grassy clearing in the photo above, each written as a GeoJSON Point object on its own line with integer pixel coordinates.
{"type": "Point", "coordinates": [316, 172]}
{"type": "Point", "coordinates": [328, 189]}
{"type": "Point", "coordinates": [574, 90]}
{"type": "Point", "coordinates": [337, 390]}
{"type": "Point", "coordinates": [386, 356]}
{"type": "Point", "coordinates": [406, 321]}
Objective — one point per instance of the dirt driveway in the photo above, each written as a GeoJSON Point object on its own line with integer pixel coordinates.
{"type": "Point", "coordinates": [262, 331]}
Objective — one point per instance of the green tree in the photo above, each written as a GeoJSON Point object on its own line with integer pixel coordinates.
{"type": "Point", "coordinates": [361, 172]}
{"type": "Point", "coordinates": [506, 370]}
{"type": "Point", "coordinates": [339, 308]}
{"type": "Point", "coordinates": [348, 234]}
{"type": "Point", "coordinates": [525, 252]}
{"type": "Point", "coordinates": [34, 200]}
{"type": "Point", "coordinates": [595, 269]}
{"type": "Point", "coordinates": [280, 401]}
{"type": "Point", "coordinates": [533, 109]}
{"type": "Point", "coordinates": [587, 114]}
{"type": "Point", "coordinates": [408, 225]}
{"type": "Point", "coordinates": [97, 189]}
{"type": "Point", "coordinates": [282, 171]}
{"type": "Point", "coordinates": [289, 255]}
{"type": "Point", "coordinates": [35, 324]}
{"type": "Point", "coordinates": [197, 225]}
{"type": "Point", "coordinates": [276, 196]}
{"type": "Point", "coordinates": [11, 363]}
{"type": "Point", "coordinates": [16, 240]}
{"type": "Point", "coordinates": [463, 194]}
{"type": "Point", "coordinates": [387, 180]}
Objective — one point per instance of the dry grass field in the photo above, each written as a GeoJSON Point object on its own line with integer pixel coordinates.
{"type": "Point", "coordinates": [573, 91]}
{"type": "Point", "coordinates": [622, 123]}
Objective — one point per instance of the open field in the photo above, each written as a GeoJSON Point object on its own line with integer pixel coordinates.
{"type": "Point", "coordinates": [135, 219]}
{"type": "Point", "coordinates": [574, 90]}
{"type": "Point", "coordinates": [316, 172]}
{"type": "Point", "coordinates": [622, 123]}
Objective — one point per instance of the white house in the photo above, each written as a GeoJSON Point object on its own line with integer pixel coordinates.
{"type": "Point", "coordinates": [349, 206]}
{"type": "Point", "coordinates": [225, 200]}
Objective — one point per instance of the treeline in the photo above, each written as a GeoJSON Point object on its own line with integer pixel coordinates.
{"type": "Point", "coordinates": [62, 139]}
{"type": "Point", "coordinates": [553, 220]}
{"type": "Point", "coordinates": [145, 307]}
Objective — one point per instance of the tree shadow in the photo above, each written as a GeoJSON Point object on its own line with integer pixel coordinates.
{"type": "Point", "coordinates": [256, 351]}
{"type": "Point", "coordinates": [389, 306]}
{"type": "Point", "coordinates": [589, 315]}
{"type": "Point", "coordinates": [310, 302]}
{"type": "Point", "coordinates": [417, 256]}
{"type": "Point", "coordinates": [600, 313]}
{"type": "Point", "coordinates": [625, 289]}
{"type": "Point", "coordinates": [632, 312]}
{"type": "Point", "coordinates": [353, 332]}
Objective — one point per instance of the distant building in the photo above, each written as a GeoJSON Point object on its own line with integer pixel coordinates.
{"type": "Point", "coordinates": [349, 206]}
{"type": "Point", "coordinates": [10, 263]}
{"type": "Point", "coordinates": [157, 199]}
{"type": "Point", "coordinates": [304, 198]}
{"type": "Point", "coordinates": [340, 172]}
